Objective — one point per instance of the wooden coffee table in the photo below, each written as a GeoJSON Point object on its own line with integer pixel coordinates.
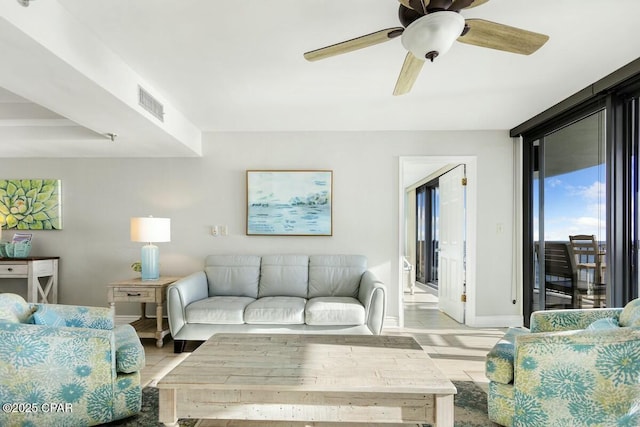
{"type": "Point", "coordinates": [366, 379]}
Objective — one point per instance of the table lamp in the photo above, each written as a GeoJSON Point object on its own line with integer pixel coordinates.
{"type": "Point", "coordinates": [150, 230]}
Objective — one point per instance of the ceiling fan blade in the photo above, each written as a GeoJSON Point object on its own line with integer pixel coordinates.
{"type": "Point", "coordinates": [458, 5]}
{"type": "Point", "coordinates": [502, 37]}
{"type": "Point", "coordinates": [476, 3]}
{"type": "Point", "coordinates": [417, 5]}
{"type": "Point", "coordinates": [354, 44]}
{"type": "Point", "coordinates": [408, 74]}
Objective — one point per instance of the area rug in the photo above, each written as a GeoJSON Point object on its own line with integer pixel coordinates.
{"type": "Point", "coordinates": [470, 406]}
{"type": "Point", "coordinates": [148, 415]}
{"type": "Point", "coordinates": [470, 409]}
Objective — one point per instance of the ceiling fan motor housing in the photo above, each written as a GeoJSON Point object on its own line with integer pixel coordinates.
{"type": "Point", "coordinates": [433, 34]}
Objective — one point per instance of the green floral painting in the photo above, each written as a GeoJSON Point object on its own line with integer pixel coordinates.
{"type": "Point", "coordinates": [30, 204]}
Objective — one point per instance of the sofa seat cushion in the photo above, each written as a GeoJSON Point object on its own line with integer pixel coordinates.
{"type": "Point", "coordinates": [334, 311]}
{"type": "Point", "coordinates": [276, 310]}
{"type": "Point", "coordinates": [129, 350]}
{"type": "Point", "coordinates": [499, 361]}
{"type": "Point", "coordinates": [218, 310]}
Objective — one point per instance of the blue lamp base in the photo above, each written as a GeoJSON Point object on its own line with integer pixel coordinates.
{"type": "Point", "coordinates": [150, 260]}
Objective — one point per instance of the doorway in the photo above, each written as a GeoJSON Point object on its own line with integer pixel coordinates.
{"type": "Point", "coordinates": [414, 173]}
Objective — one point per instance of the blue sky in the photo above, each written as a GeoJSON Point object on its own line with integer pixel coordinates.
{"type": "Point", "coordinates": [574, 204]}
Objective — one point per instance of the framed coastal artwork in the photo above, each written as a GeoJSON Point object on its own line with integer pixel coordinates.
{"type": "Point", "coordinates": [30, 204]}
{"type": "Point", "coordinates": [289, 202]}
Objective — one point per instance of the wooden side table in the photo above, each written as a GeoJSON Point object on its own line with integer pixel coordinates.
{"type": "Point", "coordinates": [33, 269]}
{"type": "Point", "coordinates": [144, 291]}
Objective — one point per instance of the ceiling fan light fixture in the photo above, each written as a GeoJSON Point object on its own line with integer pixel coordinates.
{"type": "Point", "coordinates": [433, 34]}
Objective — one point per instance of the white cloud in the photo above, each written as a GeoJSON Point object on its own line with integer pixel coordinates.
{"type": "Point", "coordinates": [596, 191]}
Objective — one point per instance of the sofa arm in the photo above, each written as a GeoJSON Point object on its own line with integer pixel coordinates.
{"type": "Point", "coordinates": [180, 294]}
{"type": "Point", "coordinates": [78, 316]}
{"type": "Point", "coordinates": [568, 320]}
{"type": "Point", "coordinates": [372, 295]}
{"type": "Point", "coordinates": [587, 377]}
{"type": "Point", "coordinates": [71, 366]}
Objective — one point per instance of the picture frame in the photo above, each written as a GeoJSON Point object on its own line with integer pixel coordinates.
{"type": "Point", "coordinates": [30, 204]}
{"type": "Point", "coordinates": [289, 203]}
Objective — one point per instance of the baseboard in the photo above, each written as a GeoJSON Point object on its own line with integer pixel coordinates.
{"type": "Point", "coordinates": [495, 321]}
{"type": "Point", "coordinates": [391, 322]}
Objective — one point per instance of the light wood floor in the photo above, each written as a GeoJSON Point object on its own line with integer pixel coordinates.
{"type": "Point", "coordinates": [458, 350]}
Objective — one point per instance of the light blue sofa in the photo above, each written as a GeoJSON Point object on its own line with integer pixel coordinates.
{"type": "Point", "coordinates": [73, 369]}
{"type": "Point", "coordinates": [573, 368]}
{"type": "Point", "coordinates": [276, 294]}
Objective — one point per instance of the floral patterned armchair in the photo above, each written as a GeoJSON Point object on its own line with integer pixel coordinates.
{"type": "Point", "coordinates": [63, 365]}
{"type": "Point", "coordinates": [573, 368]}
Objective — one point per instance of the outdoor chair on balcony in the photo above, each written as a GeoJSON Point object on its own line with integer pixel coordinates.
{"type": "Point", "coordinates": [560, 278]}
{"type": "Point", "coordinates": [589, 265]}
{"type": "Point", "coordinates": [572, 368]}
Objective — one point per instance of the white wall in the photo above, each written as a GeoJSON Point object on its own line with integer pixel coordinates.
{"type": "Point", "coordinates": [100, 195]}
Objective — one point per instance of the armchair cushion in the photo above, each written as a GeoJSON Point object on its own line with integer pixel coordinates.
{"type": "Point", "coordinates": [606, 323]}
{"type": "Point", "coordinates": [77, 316]}
{"type": "Point", "coordinates": [630, 315]}
{"type": "Point", "coordinates": [14, 309]}
{"type": "Point", "coordinates": [129, 350]}
{"type": "Point", "coordinates": [44, 316]}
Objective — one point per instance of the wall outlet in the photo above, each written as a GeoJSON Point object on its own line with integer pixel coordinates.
{"type": "Point", "coordinates": [215, 231]}
{"type": "Point", "coordinates": [224, 230]}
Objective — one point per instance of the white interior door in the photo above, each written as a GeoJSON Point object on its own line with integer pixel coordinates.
{"type": "Point", "coordinates": [452, 242]}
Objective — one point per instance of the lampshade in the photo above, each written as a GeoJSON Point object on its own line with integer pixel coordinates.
{"type": "Point", "coordinates": [432, 34]}
{"type": "Point", "coordinates": [150, 229]}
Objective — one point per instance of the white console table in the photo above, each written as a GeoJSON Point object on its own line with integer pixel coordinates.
{"type": "Point", "coordinates": [34, 269]}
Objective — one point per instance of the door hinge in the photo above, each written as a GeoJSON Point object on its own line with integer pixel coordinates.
{"type": "Point", "coordinates": [464, 181]}
{"type": "Point", "coordinates": [463, 297]}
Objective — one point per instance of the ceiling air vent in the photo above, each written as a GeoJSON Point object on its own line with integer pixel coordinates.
{"type": "Point", "coordinates": [150, 104]}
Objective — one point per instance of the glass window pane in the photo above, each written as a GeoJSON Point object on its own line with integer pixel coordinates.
{"type": "Point", "coordinates": [573, 202]}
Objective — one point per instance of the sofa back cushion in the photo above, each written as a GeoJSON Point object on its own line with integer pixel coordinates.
{"type": "Point", "coordinates": [335, 275]}
{"type": "Point", "coordinates": [284, 276]}
{"type": "Point", "coordinates": [14, 309]}
{"type": "Point", "coordinates": [630, 315]}
{"type": "Point", "coordinates": [233, 275]}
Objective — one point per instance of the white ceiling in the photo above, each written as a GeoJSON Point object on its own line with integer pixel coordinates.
{"type": "Point", "coordinates": [238, 66]}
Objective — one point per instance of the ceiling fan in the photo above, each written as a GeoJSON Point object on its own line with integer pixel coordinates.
{"type": "Point", "coordinates": [429, 28]}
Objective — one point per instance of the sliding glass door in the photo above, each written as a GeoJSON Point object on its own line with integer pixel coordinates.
{"type": "Point", "coordinates": [569, 216]}
{"type": "Point", "coordinates": [580, 204]}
